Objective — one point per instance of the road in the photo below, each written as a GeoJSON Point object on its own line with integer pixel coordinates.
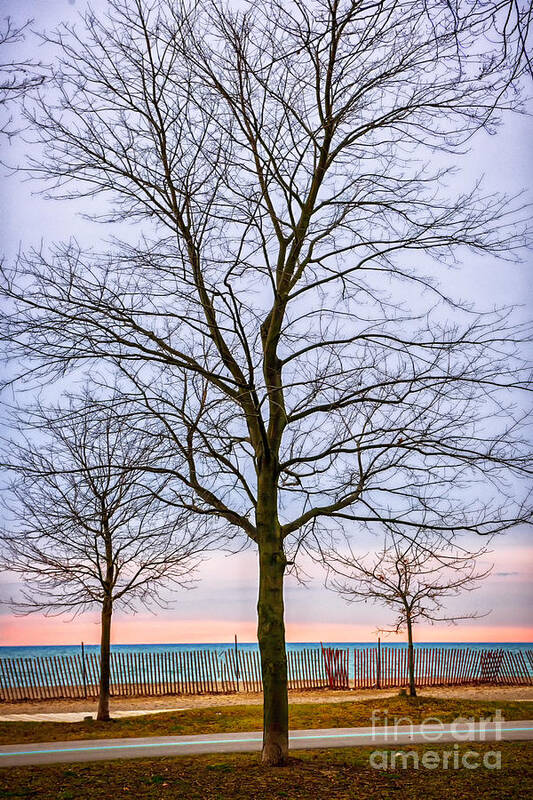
{"type": "Point", "coordinates": [105, 749]}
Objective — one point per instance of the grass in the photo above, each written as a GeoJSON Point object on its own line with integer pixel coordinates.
{"type": "Point", "coordinates": [249, 718]}
{"type": "Point", "coordinates": [334, 774]}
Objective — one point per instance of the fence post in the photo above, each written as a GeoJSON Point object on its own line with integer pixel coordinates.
{"type": "Point", "coordinates": [236, 662]}
{"type": "Point", "coordinates": [83, 671]}
{"type": "Point", "coordinates": [378, 665]}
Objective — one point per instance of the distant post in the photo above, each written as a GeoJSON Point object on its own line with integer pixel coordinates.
{"type": "Point", "coordinates": [378, 671]}
{"type": "Point", "coordinates": [236, 662]}
{"type": "Point", "coordinates": [83, 671]}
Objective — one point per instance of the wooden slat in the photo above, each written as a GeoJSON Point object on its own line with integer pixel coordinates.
{"type": "Point", "coordinates": [23, 670]}
{"type": "Point", "coordinates": [52, 677]}
{"type": "Point", "coordinates": [190, 673]}
{"type": "Point", "coordinates": [170, 672]}
{"type": "Point", "coordinates": [30, 690]}
{"type": "Point", "coordinates": [140, 673]}
{"type": "Point", "coordinates": [462, 666]}
{"type": "Point", "coordinates": [194, 666]}
{"type": "Point", "coordinates": [147, 674]}
{"type": "Point", "coordinates": [132, 669]}
{"type": "Point", "coordinates": [177, 672]}
{"type": "Point", "coordinates": [76, 676]}
{"type": "Point", "coordinates": [115, 679]}
{"type": "Point", "coordinates": [258, 672]}
{"type": "Point", "coordinates": [182, 673]}
{"type": "Point", "coordinates": [211, 676]}
{"type": "Point", "coordinates": [203, 673]}
{"type": "Point", "coordinates": [165, 672]}
{"type": "Point", "coordinates": [95, 668]}
{"type": "Point", "coordinates": [125, 673]}
{"type": "Point", "coordinates": [37, 677]}
{"type": "Point", "coordinates": [45, 668]}
{"type": "Point", "coordinates": [211, 669]}
{"type": "Point", "coordinates": [32, 676]}
{"type": "Point", "coordinates": [161, 672]}
{"type": "Point", "coordinates": [7, 691]}
{"type": "Point", "coordinates": [145, 667]}
{"type": "Point", "coordinates": [156, 679]}
{"type": "Point", "coordinates": [243, 664]}
{"type": "Point", "coordinates": [15, 680]}
{"type": "Point", "coordinates": [79, 673]}
{"type": "Point", "coordinates": [66, 674]}
{"type": "Point", "coordinates": [153, 678]}
{"type": "Point", "coordinates": [130, 673]}
{"type": "Point", "coordinates": [9, 688]}
{"type": "Point", "coordinates": [190, 676]}
{"type": "Point", "coordinates": [120, 659]}
{"type": "Point", "coordinates": [141, 665]}
{"type": "Point", "coordinates": [290, 669]}
{"type": "Point", "coordinates": [61, 683]}
{"type": "Point", "coordinates": [67, 666]}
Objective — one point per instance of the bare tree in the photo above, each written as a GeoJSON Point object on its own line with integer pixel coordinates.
{"type": "Point", "coordinates": [412, 575]}
{"type": "Point", "coordinates": [87, 529]}
{"type": "Point", "coordinates": [17, 76]}
{"type": "Point", "coordinates": [280, 328]}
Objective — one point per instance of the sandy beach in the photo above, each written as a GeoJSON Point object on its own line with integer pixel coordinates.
{"type": "Point", "coordinates": [184, 702]}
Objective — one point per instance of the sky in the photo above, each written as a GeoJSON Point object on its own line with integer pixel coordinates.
{"type": "Point", "coordinates": [224, 600]}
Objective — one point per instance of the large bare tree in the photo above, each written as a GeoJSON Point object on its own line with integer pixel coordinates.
{"type": "Point", "coordinates": [281, 327]}
{"type": "Point", "coordinates": [86, 527]}
{"type": "Point", "coordinates": [413, 575]}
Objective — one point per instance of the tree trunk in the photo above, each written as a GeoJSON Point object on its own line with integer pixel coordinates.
{"type": "Point", "coordinates": [105, 659]}
{"type": "Point", "coordinates": [411, 658]}
{"type": "Point", "coordinates": [271, 637]}
{"type": "Point", "coordinates": [271, 628]}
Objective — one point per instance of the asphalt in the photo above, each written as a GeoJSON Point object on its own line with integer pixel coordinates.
{"type": "Point", "coordinates": [106, 749]}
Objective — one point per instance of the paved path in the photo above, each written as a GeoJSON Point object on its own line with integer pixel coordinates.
{"type": "Point", "coordinates": [105, 749]}
{"type": "Point", "coordinates": [79, 716]}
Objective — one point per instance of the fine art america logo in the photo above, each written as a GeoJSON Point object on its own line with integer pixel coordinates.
{"type": "Point", "coordinates": [402, 730]}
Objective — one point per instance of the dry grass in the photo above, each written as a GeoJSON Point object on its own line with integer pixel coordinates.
{"type": "Point", "coordinates": [249, 718]}
{"type": "Point", "coordinates": [333, 774]}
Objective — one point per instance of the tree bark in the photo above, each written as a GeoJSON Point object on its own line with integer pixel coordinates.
{"type": "Point", "coordinates": [271, 629]}
{"type": "Point", "coordinates": [105, 659]}
{"type": "Point", "coordinates": [411, 658]}
{"type": "Point", "coordinates": [271, 637]}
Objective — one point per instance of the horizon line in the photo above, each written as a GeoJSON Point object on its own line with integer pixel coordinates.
{"type": "Point", "coordinates": [232, 643]}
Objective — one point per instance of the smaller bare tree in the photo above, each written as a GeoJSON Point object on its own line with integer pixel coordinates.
{"type": "Point", "coordinates": [411, 574]}
{"type": "Point", "coordinates": [87, 527]}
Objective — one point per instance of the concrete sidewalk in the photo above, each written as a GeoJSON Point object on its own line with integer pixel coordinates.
{"type": "Point", "coordinates": [79, 716]}
{"type": "Point", "coordinates": [107, 749]}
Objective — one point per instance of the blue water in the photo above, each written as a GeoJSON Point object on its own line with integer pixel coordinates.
{"type": "Point", "coordinates": [31, 651]}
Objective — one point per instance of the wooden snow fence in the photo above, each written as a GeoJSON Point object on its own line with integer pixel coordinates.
{"type": "Point", "coordinates": [134, 674]}
{"type": "Point", "coordinates": [190, 672]}
{"type": "Point", "coordinates": [440, 666]}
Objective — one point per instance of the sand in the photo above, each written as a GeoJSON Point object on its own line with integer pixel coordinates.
{"type": "Point", "coordinates": [184, 702]}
